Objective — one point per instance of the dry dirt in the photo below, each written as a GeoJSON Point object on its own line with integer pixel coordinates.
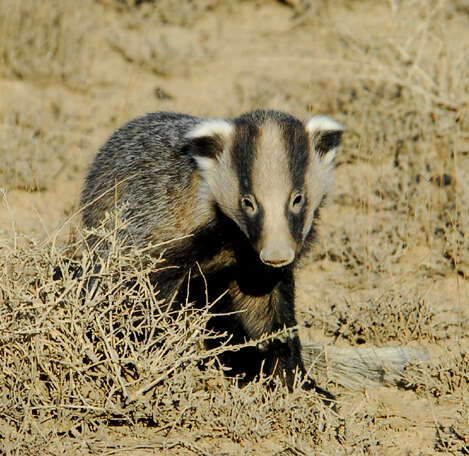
{"type": "Point", "coordinates": [391, 266]}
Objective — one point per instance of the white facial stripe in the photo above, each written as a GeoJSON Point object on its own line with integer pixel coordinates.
{"type": "Point", "coordinates": [319, 177]}
{"type": "Point", "coordinates": [318, 182]}
{"type": "Point", "coordinates": [272, 184]}
{"type": "Point", "coordinates": [222, 182]}
{"type": "Point", "coordinates": [218, 172]}
{"type": "Point", "coordinates": [329, 157]}
{"type": "Point", "coordinates": [225, 185]}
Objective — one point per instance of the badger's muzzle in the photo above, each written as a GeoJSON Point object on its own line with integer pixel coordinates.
{"type": "Point", "coordinates": [277, 254]}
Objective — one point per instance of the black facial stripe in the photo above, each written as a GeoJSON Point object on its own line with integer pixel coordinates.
{"type": "Point", "coordinates": [296, 222]}
{"type": "Point", "coordinates": [243, 153]}
{"type": "Point", "coordinates": [254, 224]}
{"type": "Point", "coordinates": [311, 234]}
{"type": "Point", "coordinates": [297, 146]}
{"type": "Point", "coordinates": [243, 159]}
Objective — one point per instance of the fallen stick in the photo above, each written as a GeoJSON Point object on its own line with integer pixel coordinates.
{"type": "Point", "coordinates": [360, 367]}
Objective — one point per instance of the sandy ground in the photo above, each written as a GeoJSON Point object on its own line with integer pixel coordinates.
{"type": "Point", "coordinates": [391, 265]}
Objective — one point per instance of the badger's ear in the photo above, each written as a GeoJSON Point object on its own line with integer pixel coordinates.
{"type": "Point", "coordinates": [326, 136]}
{"type": "Point", "coordinates": [207, 141]}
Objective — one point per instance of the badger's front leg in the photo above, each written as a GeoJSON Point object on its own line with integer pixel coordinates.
{"type": "Point", "coordinates": [263, 308]}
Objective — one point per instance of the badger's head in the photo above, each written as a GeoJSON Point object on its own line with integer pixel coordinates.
{"type": "Point", "coordinates": [269, 173]}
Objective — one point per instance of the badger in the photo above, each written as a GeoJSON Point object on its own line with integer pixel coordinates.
{"type": "Point", "coordinates": [239, 200]}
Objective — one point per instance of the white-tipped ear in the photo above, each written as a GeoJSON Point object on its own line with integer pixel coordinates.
{"type": "Point", "coordinates": [207, 140]}
{"type": "Point", "coordinates": [326, 136]}
{"type": "Point", "coordinates": [323, 123]}
{"type": "Point", "coordinates": [210, 128]}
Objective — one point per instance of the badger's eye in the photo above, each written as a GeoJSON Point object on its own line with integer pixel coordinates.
{"type": "Point", "coordinates": [249, 205]}
{"type": "Point", "coordinates": [296, 201]}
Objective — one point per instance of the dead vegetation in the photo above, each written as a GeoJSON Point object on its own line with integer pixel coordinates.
{"type": "Point", "coordinates": [44, 43]}
{"type": "Point", "coordinates": [108, 371]}
{"type": "Point", "coordinates": [88, 349]}
{"type": "Point", "coordinates": [39, 150]}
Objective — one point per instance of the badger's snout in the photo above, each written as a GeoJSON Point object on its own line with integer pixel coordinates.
{"type": "Point", "coordinates": [277, 255]}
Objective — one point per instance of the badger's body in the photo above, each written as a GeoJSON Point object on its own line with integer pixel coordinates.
{"type": "Point", "coordinates": [240, 197]}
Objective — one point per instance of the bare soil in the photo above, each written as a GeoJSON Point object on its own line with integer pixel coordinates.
{"type": "Point", "coordinates": [391, 266]}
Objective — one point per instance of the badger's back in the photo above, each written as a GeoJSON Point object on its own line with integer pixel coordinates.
{"type": "Point", "coordinates": [141, 170]}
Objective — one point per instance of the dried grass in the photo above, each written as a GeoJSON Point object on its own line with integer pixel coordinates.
{"type": "Point", "coordinates": [179, 12]}
{"type": "Point", "coordinates": [32, 152]}
{"type": "Point", "coordinates": [86, 349]}
{"type": "Point", "coordinates": [389, 318]}
{"type": "Point", "coordinates": [392, 262]}
{"type": "Point", "coordinates": [44, 42]}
